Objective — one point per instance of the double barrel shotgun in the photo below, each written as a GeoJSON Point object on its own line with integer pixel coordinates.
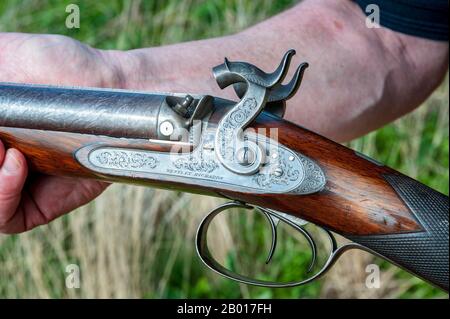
{"type": "Point", "coordinates": [218, 147]}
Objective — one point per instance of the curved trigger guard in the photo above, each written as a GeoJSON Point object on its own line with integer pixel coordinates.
{"type": "Point", "coordinates": [207, 258]}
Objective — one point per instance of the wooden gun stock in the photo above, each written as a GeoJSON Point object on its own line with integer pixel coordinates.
{"type": "Point", "coordinates": [397, 217]}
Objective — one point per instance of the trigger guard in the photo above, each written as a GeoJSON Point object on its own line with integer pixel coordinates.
{"type": "Point", "coordinates": [207, 258]}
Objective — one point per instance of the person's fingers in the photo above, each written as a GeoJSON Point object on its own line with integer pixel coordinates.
{"type": "Point", "coordinates": [48, 197]}
{"type": "Point", "coordinates": [66, 195]}
{"type": "Point", "coordinates": [13, 173]}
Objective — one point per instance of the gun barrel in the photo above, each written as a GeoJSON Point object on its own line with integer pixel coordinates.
{"type": "Point", "coordinates": [115, 113]}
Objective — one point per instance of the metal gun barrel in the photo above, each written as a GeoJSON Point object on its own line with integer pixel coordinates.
{"type": "Point", "coordinates": [116, 113]}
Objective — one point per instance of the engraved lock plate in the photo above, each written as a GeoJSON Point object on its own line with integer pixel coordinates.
{"type": "Point", "coordinates": [225, 157]}
{"type": "Point", "coordinates": [283, 172]}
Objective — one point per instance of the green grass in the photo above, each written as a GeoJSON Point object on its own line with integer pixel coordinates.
{"type": "Point", "coordinates": [138, 242]}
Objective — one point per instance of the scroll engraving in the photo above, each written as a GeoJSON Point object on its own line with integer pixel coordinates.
{"type": "Point", "coordinates": [285, 171]}
{"type": "Point", "coordinates": [281, 172]}
{"type": "Point", "coordinates": [315, 179]}
{"type": "Point", "coordinates": [124, 160]}
{"type": "Point", "coordinates": [196, 165]}
{"type": "Point", "coordinates": [231, 123]}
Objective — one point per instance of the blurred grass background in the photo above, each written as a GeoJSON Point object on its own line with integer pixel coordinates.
{"type": "Point", "coordinates": [139, 242]}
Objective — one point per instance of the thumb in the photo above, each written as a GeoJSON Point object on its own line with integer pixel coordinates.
{"type": "Point", "coordinates": [13, 173]}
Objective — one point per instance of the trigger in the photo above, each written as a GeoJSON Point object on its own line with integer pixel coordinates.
{"type": "Point", "coordinates": [274, 221]}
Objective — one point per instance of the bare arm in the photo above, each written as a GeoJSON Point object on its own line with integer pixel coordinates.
{"type": "Point", "coordinates": [359, 78]}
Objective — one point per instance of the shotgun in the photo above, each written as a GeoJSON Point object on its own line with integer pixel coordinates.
{"type": "Point", "coordinates": [243, 151]}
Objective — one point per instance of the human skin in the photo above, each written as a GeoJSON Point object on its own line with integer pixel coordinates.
{"type": "Point", "coordinates": [358, 80]}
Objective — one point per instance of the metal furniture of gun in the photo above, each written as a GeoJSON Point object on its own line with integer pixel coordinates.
{"type": "Point", "coordinates": [218, 147]}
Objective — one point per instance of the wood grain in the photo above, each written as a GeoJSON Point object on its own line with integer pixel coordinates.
{"type": "Point", "coordinates": [357, 200]}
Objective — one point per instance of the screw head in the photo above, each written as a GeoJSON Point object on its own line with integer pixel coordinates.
{"type": "Point", "coordinates": [277, 171]}
{"type": "Point", "coordinates": [166, 128]}
{"type": "Point", "coordinates": [245, 156]}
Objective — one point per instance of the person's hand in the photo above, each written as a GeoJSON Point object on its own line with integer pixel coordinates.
{"type": "Point", "coordinates": [46, 59]}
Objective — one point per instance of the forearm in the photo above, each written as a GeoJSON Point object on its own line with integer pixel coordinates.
{"type": "Point", "coordinates": [359, 78]}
